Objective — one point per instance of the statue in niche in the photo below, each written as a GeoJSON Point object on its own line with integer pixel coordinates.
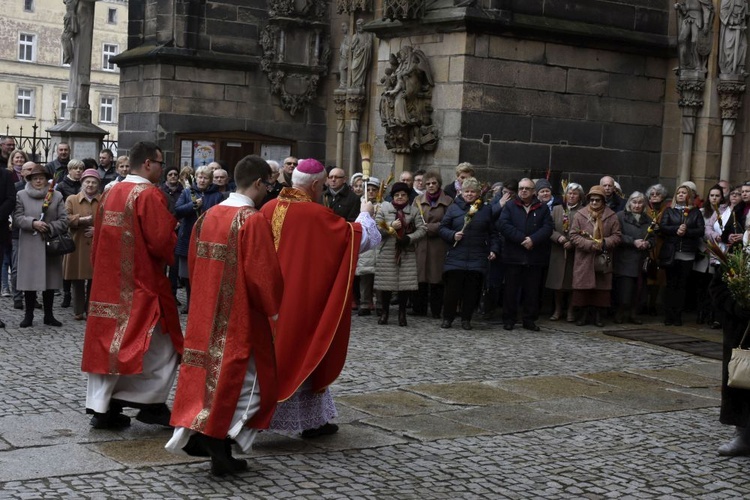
{"type": "Point", "coordinates": [70, 30]}
{"type": "Point", "coordinates": [361, 47]}
{"type": "Point", "coordinates": [344, 52]}
{"type": "Point", "coordinates": [695, 19]}
{"type": "Point", "coordinates": [405, 108]}
{"type": "Point", "coordinates": [733, 16]}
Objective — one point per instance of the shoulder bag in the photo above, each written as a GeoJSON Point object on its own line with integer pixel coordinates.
{"type": "Point", "coordinates": [739, 365]}
{"type": "Point", "coordinates": [60, 244]}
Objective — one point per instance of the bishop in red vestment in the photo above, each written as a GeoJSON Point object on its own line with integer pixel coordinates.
{"type": "Point", "coordinates": [133, 335]}
{"type": "Point", "coordinates": [227, 384]}
{"type": "Point", "coordinates": [318, 253]}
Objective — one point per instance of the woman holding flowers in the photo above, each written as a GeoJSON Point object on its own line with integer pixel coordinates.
{"type": "Point", "coordinates": [704, 267]}
{"type": "Point", "coordinates": [396, 262]}
{"type": "Point", "coordinates": [682, 227]}
{"type": "Point", "coordinates": [469, 229]}
{"type": "Point", "coordinates": [595, 233]}
{"type": "Point", "coordinates": [432, 206]}
{"type": "Point", "coordinates": [560, 274]}
{"type": "Point", "coordinates": [40, 212]}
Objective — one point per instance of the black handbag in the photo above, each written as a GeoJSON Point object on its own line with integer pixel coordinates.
{"type": "Point", "coordinates": [60, 244]}
{"type": "Point", "coordinates": [666, 255]}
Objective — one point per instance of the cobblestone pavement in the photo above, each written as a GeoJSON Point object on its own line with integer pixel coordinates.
{"type": "Point", "coordinates": [425, 413]}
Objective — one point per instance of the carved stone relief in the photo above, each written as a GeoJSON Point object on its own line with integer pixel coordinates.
{"type": "Point", "coordinates": [296, 50]}
{"type": "Point", "coordinates": [401, 10]}
{"type": "Point", "coordinates": [405, 104]}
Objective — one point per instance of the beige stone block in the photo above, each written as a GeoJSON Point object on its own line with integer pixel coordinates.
{"type": "Point", "coordinates": [581, 81]}
{"type": "Point", "coordinates": [451, 126]}
{"type": "Point", "coordinates": [704, 162]}
{"type": "Point", "coordinates": [671, 139]}
{"type": "Point", "coordinates": [165, 104]}
{"type": "Point", "coordinates": [481, 45]}
{"type": "Point", "coordinates": [447, 96]}
{"type": "Point", "coordinates": [440, 67]}
{"type": "Point", "coordinates": [457, 67]}
{"type": "Point", "coordinates": [195, 90]}
{"type": "Point", "coordinates": [636, 88]}
{"type": "Point", "coordinates": [708, 136]}
{"type": "Point", "coordinates": [452, 44]}
{"type": "Point", "coordinates": [501, 47]}
{"type": "Point", "coordinates": [128, 105]}
{"type": "Point", "coordinates": [235, 93]}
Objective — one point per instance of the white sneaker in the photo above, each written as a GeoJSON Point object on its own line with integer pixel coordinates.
{"type": "Point", "coordinates": [6, 292]}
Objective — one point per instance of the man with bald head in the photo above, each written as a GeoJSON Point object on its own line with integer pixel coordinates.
{"type": "Point", "coordinates": [339, 196]}
{"type": "Point", "coordinates": [612, 199]}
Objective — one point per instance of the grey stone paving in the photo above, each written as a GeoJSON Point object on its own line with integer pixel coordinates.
{"type": "Point", "coordinates": [424, 413]}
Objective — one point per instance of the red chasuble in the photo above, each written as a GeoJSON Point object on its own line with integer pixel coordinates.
{"type": "Point", "coordinates": [318, 253]}
{"type": "Point", "coordinates": [237, 286]}
{"type": "Point", "coordinates": [134, 240]}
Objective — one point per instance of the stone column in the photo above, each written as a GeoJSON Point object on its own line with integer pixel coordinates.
{"type": "Point", "coordinates": [355, 101]}
{"type": "Point", "coordinates": [84, 138]}
{"type": "Point", "coordinates": [339, 99]}
{"type": "Point", "coordinates": [690, 85]}
{"type": "Point", "coordinates": [730, 89]}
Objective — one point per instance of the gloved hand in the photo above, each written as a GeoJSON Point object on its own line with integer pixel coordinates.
{"type": "Point", "coordinates": [403, 242]}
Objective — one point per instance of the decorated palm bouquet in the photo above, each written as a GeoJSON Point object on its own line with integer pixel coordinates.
{"type": "Point", "coordinates": [735, 271]}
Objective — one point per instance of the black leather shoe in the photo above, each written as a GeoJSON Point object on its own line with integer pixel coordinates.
{"type": "Point", "coordinates": [18, 304]}
{"type": "Point", "coordinates": [323, 430]}
{"type": "Point", "coordinates": [157, 414]}
{"type": "Point", "coordinates": [66, 300]}
{"type": "Point", "coordinates": [737, 447]}
{"type": "Point", "coordinates": [530, 325]}
{"type": "Point", "coordinates": [466, 325]}
{"type": "Point", "coordinates": [446, 323]}
{"type": "Point", "coordinates": [112, 420]}
{"type": "Point", "coordinates": [51, 321]}
{"type": "Point", "coordinates": [507, 326]}
{"type": "Point", "coordinates": [364, 312]}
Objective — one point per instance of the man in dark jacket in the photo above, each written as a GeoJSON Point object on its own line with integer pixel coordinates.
{"type": "Point", "coordinates": [526, 225]}
{"type": "Point", "coordinates": [339, 197]}
{"type": "Point", "coordinates": [612, 199]}
{"type": "Point", "coordinates": [58, 168]}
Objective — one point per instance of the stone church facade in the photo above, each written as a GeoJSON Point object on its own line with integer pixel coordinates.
{"type": "Point", "coordinates": [516, 87]}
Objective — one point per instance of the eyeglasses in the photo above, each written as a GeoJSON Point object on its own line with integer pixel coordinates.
{"type": "Point", "coordinates": [524, 188]}
{"type": "Point", "coordinates": [160, 162]}
{"type": "Point", "coordinates": [595, 200]}
{"type": "Point", "coordinates": [735, 193]}
{"type": "Point", "coordinates": [431, 183]}
{"type": "Point", "coordinates": [335, 176]}
{"type": "Point", "coordinates": [290, 163]}
{"type": "Point", "coordinates": [268, 184]}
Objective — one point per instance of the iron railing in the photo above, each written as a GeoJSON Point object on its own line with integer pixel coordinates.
{"type": "Point", "coordinates": [40, 148]}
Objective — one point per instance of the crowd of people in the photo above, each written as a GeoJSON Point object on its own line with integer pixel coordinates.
{"type": "Point", "coordinates": [510, 250]}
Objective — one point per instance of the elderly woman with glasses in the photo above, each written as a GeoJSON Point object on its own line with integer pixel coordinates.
{"type": "Point", "coordinates": [560, 274]}
{"type": "Point", "coordinates": [637, 240]}
{"type": "Point", "coordinates": [595, 231]}
{"type": "Point", "coordinates": [192, 203]}
{"type": "Point", "coordinates": [432, 206]}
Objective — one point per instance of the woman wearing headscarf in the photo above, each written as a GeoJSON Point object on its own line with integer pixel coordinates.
{"type": "Point", "coordinates": [396, 262]}
{"type": "Point", "coordinates": [432, 206]}
{"type": "Point", "coordinates": [560, 274]}
{"type": "Point", "coordinates": [468, 228]}
{"type": "Point", "coordinates": [595, 231]}
{"type": "Point", "coordinates": [682, 227]}
{"type": "Point", "coordinates": [637, 240]}
{"type": "Point", "coordinates": [40, 212]}
{"type": "Point", "coordinates": [82, 210]}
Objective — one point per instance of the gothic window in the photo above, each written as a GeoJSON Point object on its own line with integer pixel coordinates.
{"type": "Point", "coordinates": [112, 16]}
{"type": "Point", "coordinates": [28, 5]}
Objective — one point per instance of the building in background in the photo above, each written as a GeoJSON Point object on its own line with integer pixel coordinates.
{"type": "Point", "coordinates": [33, 78]}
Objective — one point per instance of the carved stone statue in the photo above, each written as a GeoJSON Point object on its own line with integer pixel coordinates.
{"type": "Point", "coordinates": [70, 30]}
{"type": "Point", "coordinates": [733, 16]}
{"type": "Point", "coordinates": [344, 53]}
{"type": "Point", "coordinates": [405, 108]}
{"type": "Point", "coordinates": [694, 33]}
{"type": "Point", "coordinates": [361, 47]}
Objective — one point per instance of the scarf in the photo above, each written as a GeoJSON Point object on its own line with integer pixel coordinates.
{"type": "Point", "coordinates": [17, 168]}
{"type": "Point", "coordinates": [400, 216]}
{"type": "Point", "coordinates": [596, 220]}
{"type": "Point", "coordinates": [432, 199]}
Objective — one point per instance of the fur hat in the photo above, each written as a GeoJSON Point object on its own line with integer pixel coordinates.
{"type": "Point", "coordinates": [400, 186]}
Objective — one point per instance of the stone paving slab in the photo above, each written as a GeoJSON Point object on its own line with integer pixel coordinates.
{"type": "Point", "coordinates": [551, 387]}
{"type": "Point", "coordinates": [624, 380]}
{"type": "Point", "coordinates": [425, 427]}
{"type": "Point", "coordinates": [48, 461]}
{"type": "Point", "coordinates": [655, 399]}
{"type": "Point", "coordinates": [506, 419]}
{"type": "Point", "coordinates": [679, 377]}
{"type": "Point", "coordinates": [469, 393]}
{"type": "Point", "coordinates": [392, 403]}
{"type": "Point", "coordinates": [582, 408]}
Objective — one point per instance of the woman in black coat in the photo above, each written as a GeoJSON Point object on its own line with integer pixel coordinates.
{"type": "Point", "coordinates": [682, 227]}
{"type": "Point", "coordinates": [635, 244]}
{"type": "Point", "coordinates": [470, 248]}
{"type": "Point", "coordinates": [735, 403]}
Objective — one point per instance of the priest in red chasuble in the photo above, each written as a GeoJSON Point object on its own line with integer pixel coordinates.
{"type": "Point", "coordinates": [133, 335]}
{"type": "Point", "coordinates": [227, 384]}
{"type": "Point", "coordinates": [318, 252]}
